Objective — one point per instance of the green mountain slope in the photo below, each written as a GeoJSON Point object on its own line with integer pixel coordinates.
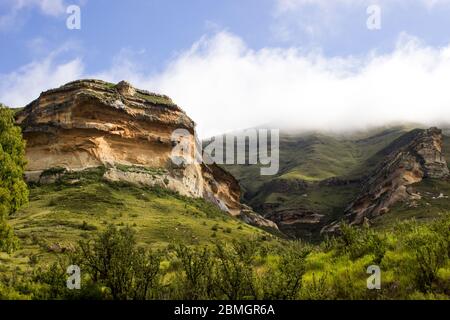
{"type": "Point", "coordinates": [433, 204]}
{"type": "Point", "coordinates": [320, 175]}
{"type": "Point", "coordinates": [316, 157]}
{"type": "Point", "coordinates": [80, 205]}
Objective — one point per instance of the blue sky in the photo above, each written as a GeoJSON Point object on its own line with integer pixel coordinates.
{"type": "Point", "coordinates": [223, 60]}
{"type": "Point", "coordinates": [154, 30]}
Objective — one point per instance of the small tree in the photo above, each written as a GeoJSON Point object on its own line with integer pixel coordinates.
{"type": "Point", "coordinates": [359, 241]}
{"type": "Point", "coordinates": [284, 281]}
{"type": "Point", "coordinates": [430, 251]}
{"type": "Point", "coordinates": [196, 267]}
{"type": "Point", "coordinates": [13, 189]}
{"type": "Point", "coordinates": [234, 276]}
{"type": "Point", "coordinates": [113, 260]}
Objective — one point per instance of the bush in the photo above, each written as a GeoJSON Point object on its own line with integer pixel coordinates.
{"type": "Point", "coordinates": [8, 242]}
{"type": "Point", "coordinates": [430, 251]}
{"type": "Point", "coordinates": [114, 261]}
{"type": "Point", "coordinates": [357, 242]}
{"type": "Point", "coordinates": [283, 281]}
{"type": "Point", "coordinates": [13, 190]}
{"type": "Point", "coordinates": [414, 264]}
{"type": "Point", "coordinates": [56, 171]}
{"type": "Point", "coordinates": [195, 276]}
{"type": "Point", "coordinates": [317, 289]}
{"type": "Point", "coordinates": [87, 227]}
{"type": "Point", "coordinates": [234, 274]}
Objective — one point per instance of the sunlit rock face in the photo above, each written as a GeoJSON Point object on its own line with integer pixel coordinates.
{"type": "Point", "coordinates": [416, 156]}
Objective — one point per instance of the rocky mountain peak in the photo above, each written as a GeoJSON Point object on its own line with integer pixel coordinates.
{"type": "Point", "coordinates": [416, 156]}
{"type": "Point", "coordinates": [429, 148]}
{"type": "Point", "coordinates": [125, 88]}
{"type": "Point", "coordinates": [92, 123]}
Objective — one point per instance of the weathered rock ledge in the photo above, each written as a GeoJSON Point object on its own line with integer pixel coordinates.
{"type": "Point", "coordinates": [91, 123]}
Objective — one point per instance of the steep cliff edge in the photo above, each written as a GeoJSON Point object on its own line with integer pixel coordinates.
{"type": "Point", "coordinates": [415, 156]}
{"type": "Point", "coordinates": [91, 123]}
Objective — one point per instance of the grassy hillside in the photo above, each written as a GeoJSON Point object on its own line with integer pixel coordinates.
{"type": "Point", "coordinates": [314, 157]}
{"type": "Point", "coordinates": [413, 255]}
{"type": "Point", "coordinates": [435, 199]}
{"type": "Point", "coordinates": [321, 173]}
{"type": "Point", "coordinates": [413, 258]}
{"type": "Point", "coordinates": [434, 203]}
{"type": "Point", "coordinates": [81, 205]}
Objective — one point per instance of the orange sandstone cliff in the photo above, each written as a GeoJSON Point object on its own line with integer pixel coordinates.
{"type": "Point", "coordinates": [91, 123]}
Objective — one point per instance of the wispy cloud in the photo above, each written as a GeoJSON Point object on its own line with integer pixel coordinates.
{"type": "Point", "coordinates": [11, 18]}
{"type": "Point", "coordinates": [319, 20]}
{"type": "Point", "coordinates": [288, 5]}
{"type": "Point", "coordinates": [20, 87]}
{"type": "Point", "coordinates": [224, 85]}
{"type": "Point", "coordinates": [48, 7]}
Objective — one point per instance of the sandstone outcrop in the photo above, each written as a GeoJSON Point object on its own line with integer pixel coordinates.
{"type": "Point", "coordinates": [253, 218]}
{"type": "Point", "coordinates": [417, 155]}
{"type": "Point", "coordinates": [91, 123]}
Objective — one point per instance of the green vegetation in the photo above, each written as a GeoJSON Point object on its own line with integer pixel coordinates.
{"type": "Point", "coordinates": [434, 201]}
{"type": "Point", "coordinates": [53, 172]}
{"type": "Point", "coordinates": [147, 96]}
{"type": "Point", "coordinates": [109, 85]}
{"type": "Point", "coordinates": [114, 261]}
{"type": "Point", "coordinates": [13, 190]}
{"type": "Point", "coordinates": [321, 173]}
{"type": "Point", "coordinates": [140, 169]}
{"type": "Point", "coordinates": [135, 242]}
{"type": "Point", "coordinates": [155, 99]}
{"type": "Point", "coordinates": [17, 110]}
{"type": "Point", "coordinates": [314, 157]}
{"type": "Point", "coordinates": [413, 258]}
{"type": "Point", "coordinates": [81, 204]}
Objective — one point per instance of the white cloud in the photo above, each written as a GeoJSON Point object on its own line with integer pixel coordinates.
{"type": "Point", "coordinates": [25, 84]}
{"type": "Point", "coordinates": [48, 7]}
{"type": "Point", "coordinates": [223, 85]}
{"type": "Point", "coordinates": [318, 20]}
{"type": "Point", "coordinates": [288, 5]}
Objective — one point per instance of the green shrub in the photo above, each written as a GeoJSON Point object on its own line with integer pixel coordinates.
{"type": "Point", "coordinates": [87, 227]}
{"type": "Point", "coordinates": [413, 259]}
{"type": "Point", "coordinates": [284, 280]}
{"type": "Point", "coordinates": [8, 242]}
{"type": "Point", "coordinates": [430, 251]}
{"type": "Point", "coordinates": [357, 242]}
{"type": "Point", "coordinates": [234, 276]}
{"type": "Point", "coordinates": [195, 277]}
{"type": "Point", "coordinates": [317, 289]}
{"type": "Point", "coordinates": [53, 172]}
{"type": "Point", "coordinates": [114, 261]}
{"type": "Point", "coordinates": [13, 190]}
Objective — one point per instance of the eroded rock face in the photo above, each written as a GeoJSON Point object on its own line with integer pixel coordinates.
{"type": "Point", "coordinates": [253, 218]}
{"type": "Point", "coordinates": [299, 223]}
{"type": "Point", "coordinates": [90, 123]}
{"type": "Point", "coordinates": [420, 157]}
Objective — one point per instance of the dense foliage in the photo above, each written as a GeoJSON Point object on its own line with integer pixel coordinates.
{"type": "Point", "coordinates": [413, 258]}
{"type": "Point", "coordinates": [13, 190]}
